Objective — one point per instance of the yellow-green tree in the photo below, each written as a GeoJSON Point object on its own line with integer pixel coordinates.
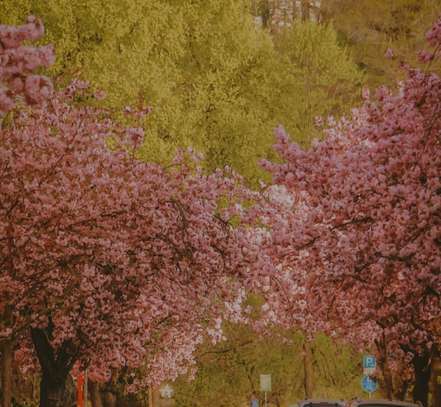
{"type": "Point", "coordinates": [324, 81]}
{"type": "Point", "coordinates": [215, 82]}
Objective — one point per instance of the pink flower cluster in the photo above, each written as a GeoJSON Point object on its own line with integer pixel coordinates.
{"type": "Point", "coordinates": [18, 63]}
{"type": "Point", "coordinates": [433, 37]}
{"type": "Point", "coordinates": [434, 34]}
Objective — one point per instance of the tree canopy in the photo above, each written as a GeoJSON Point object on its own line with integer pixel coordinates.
{"type": "Point", "coordinates": [214, 81]}
{"type": "Point", "coordinates": [358, 242]}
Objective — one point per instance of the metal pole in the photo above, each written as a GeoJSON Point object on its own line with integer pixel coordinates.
{"type": "Point", "coordinates": [266, 404]}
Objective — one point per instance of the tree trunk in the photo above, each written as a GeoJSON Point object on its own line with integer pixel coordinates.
{"type": "Point", "coordinates": [308, 369]}
{"type": "Point", "coordinates": [109, 391]}
{"type": "Point", "coordinates": [154, 397]}
{"type": "Point", "coordinates": [421, 364]}
{"type": "Point", "coordinates": [52, 391]}
{"type": "Point", "coordinates": [383, 363]}
{"type": "Point", "coordinates": [388, 382]}
{"type": "Point", "coordinates": [109, 399]}
{"type": "Point", "coordinates": [306, 10]}
{"type": "Point", "coordinates": [150, 394]}
{"type": "Point", "coordinates": [7, 349]}
{"type": "Point", "coordinates": [401, 391]}
{"type": "Point", "coordinates": [95, 395]}
{"type": "Point", "coordinates": [436, 381]}
{"type": "Point", "coordinates": [55, 367]}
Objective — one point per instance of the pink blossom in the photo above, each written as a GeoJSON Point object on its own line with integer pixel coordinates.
{"type": "Point", "coordinates": [123, 260]}
{"type": "Point", "coordinates": [358, 253]}
{"type": "Point", "coordinates": [18, 62]}
{"type": "Point", "coordinates": [426, 56]}
{"type": "Point", "coordinates": [389, 54]}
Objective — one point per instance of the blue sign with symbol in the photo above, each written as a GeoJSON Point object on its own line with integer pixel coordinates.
{"type": "Point", "coordinates": [368, 384]}
{"type": "Point", "coordinates": [369, 362]}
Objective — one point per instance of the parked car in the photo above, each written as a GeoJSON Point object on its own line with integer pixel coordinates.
{"type": "Point", "coordinates": [381, 403]}
{"type": "Point", "coordinates": [321, 403]}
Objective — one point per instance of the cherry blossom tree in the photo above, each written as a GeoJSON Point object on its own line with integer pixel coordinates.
{"type": "Point", "coordinates": [17, 81]}
{"type": "Point", "coordinates": [105, 257]}
{"type": "Point", "coordinates": [363, 243]}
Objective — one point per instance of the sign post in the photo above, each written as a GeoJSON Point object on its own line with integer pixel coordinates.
{"type": "Point", "coordinates": [254, 403]}
{"type": "Point", "coordinates": [265, 385]}
{"type": "Point", "coordinates": [369, 385]}
{"type": "Point", "coordinates": [86, 387]}
{"type": "Point", "coordinates": [80, 390]}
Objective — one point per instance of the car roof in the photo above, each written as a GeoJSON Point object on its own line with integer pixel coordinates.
{"type": "Point", "coordinates": [390, 403]}
{"type": "Point", "coordinates": [316, 401]}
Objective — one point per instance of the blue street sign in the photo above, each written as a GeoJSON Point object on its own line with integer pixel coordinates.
{"type": "Point", "coordinates": [369, 362]}
{"type": "Point", "coordinates": [368, 384]}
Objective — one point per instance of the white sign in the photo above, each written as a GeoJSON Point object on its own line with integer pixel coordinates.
{"type": "Point", "coordinates": [265, 382]}
{"type": "Point", "coordinates": [369, 365]}
{"type": "Point", "coordinates": [166, 392]}
{"type": "Point", "coordinates": [368, 371]}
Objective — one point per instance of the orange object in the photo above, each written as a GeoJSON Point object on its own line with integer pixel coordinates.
{"type": "Point", "coordinates": [80, 390]}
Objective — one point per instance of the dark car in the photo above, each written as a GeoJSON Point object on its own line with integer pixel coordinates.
{"type": "Point", "coordinates": [381, 403]}
{"type": "Point", "coordinates": [321, 403]}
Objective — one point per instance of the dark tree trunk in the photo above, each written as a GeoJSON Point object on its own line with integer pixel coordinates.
{"type": "Point", "coordinates": [95, 395]}
{"type": "Point", "coordinates": [436, 381]}
{"type": "Point", "coordinates": [401, 391]}
{"type": "Point", "coordinates": [109, 399]}
{"type": "Point", "coordinates": [7, 349]}
{"type": "Point", "coordinates": [308, 369]}
{"type": "Point", "coordinates": [55, 367]}
{"type": "Point", "coordinates": [421, 364]}
{"type": "Point", "coordinates": [52, 391]}
{"type": "Point", "coordinates": [109, 391]}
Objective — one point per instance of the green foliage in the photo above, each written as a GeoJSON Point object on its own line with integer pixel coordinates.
{"type": "Point", "coordinates": [215, 82]}
{"type": "Point", "coordinates": [128, 48]}
{"type": "Point", "coordinates": [324, 80]}
{"type": "Point", "coordinates": [370, 27]}
{"type": "Point", "coordinates": [228, 373]}
{"type": "Point", "coordinates": [337, 369]}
